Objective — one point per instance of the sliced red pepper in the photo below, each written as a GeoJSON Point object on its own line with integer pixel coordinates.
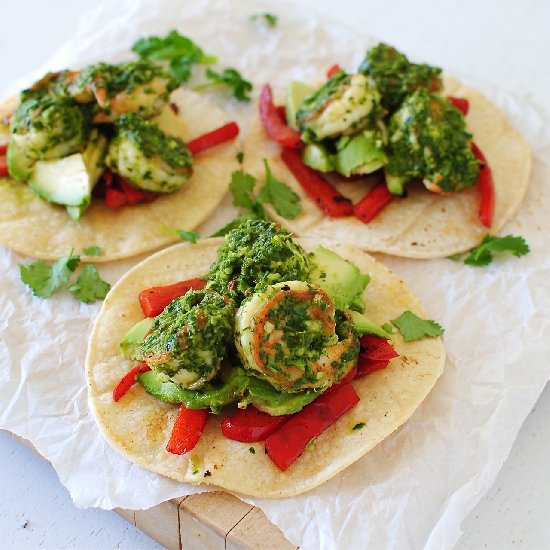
{"type": "Point", "coordinates": [274, 124]}
{"type": "Point", "coordinates": [486, 186]}
{"type": "Point", "coordinates": [349, 376]}
{"type": "Point", "coordinates": [114, 198]}
{"type": "Point", "coordinates": [128, 380]}
{"type": "Point", "coordinates": [153, 300]}
{"type": "Point", "coordinates": [215, 137]}
{"type": "Point", "coordinates": [461, 103]}
{"type": "Point", "coordinates": [107, 177]}
{"type": "Point", "coordinates": [333, 70]}
{"type": "Point", "coordinates": [325, 195]}
{"type": "Point", "coordinates": [375, 353]}
{"type": "Point", "coordinates": [187, 430]}
{"type": "Point", "coordinates": [250, 425]}
{"type": "Point", "coordinates": [288, 442]}
{"type": "Point", "coordinates": [373, 202]}
{"type": "Point", "coordinates": [134, 195]}
{"type": "Point", "coordinates": [3, 149]}
{"type": "Point", "coordinates": [4, 173]}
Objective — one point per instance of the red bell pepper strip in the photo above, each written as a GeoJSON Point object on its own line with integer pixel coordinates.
{"type": "Point", "coordinates": [128, 380]}
{"type": "Point", "coordinates": [114, 198]}
{"type": "Point", "coordinates": [373, 202]}
{"type": "Point", "coordinates": [288, 442]}
{"type": "Point", "coordinates": [375, 353]}
{"type": "Point", "coordinates": [349, 376]}
{"type": "Point", "coordinates": [153, 300]}
{"type": "Point", "coordinates": [333, 70]}
{"type": "Point", "coordinates": [134, 195]}
{"type": "Point", "coordinates": [274, 124]}
{"type": "Point", "coordinates": [213, 138]}
{"type": "Point", "coordinates": [4, 173]}
{"type": "Point", "coordinates": [250, 425]}
{"type": "Point", "coordinates": [486, 186]}
{"type": "Point", "coordinates": [187, 430]}
{"type": "Point", "coordinates": [461, 103]}
{"type": "Point", "coordinates": [325, 195]}
{"type": "Point", "coordinates": [3, 149]}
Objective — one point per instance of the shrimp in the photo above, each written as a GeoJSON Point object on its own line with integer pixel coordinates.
{"type": "Point", "coordinates": [291, 335]}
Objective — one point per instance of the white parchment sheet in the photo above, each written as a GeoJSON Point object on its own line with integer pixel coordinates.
{"type": "Point", "coordinates": [415, 488]}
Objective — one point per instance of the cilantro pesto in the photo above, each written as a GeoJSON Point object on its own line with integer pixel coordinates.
{"type": "Point", "coordinates": [151, 159]}
{"type": "Point", "coordinates": [428, 140]}
{"type": "Point", "coordinates": [256, 254]}
{"type": "Point", "coordinates": [189, 338]}
{"type": "Point", "coordinates": [389, 115]}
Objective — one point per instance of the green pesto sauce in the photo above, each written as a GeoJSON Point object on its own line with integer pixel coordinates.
{"type": "Point", "coordinates": [122, 77]}
{"type": "Point", "coordinates": [329, 91]}
{"type": "Point", "coordinates": [152, 141]}
{"type": "Point", "coordinates": [256, 254]}
{"type": "Point", "coordinates": [396, 77]}
{"type": "Point", "coordinates": [48, 121]}
{"type": "Point", "coordinates": [192, 333]}
{"type": "Point", "coordinates": [428, 140]}
{"type": "Point", "coordinates": [304, 339]}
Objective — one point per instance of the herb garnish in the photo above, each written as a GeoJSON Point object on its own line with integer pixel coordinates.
{"type": "Point", "coordinates": [89, 286]}
{"type": "Point", "coordinates": [280, 195]}
{"type": "Point", "coordinates": [92, 251]}
{"type": "Point", "coordinates": [358, 426]}
{"type": "Point", "coordinates": [268, 18]}
{"type": "Point", "coordinates": [413, 327]}
{"type": "Point", "coordinates": [482, 255]}
{"type": "Point", "coordinates": [46, 279]}
{"type": "Point", "coordinates": [232, 79]}
{"type": "Point", "coordinates": [180, 51]}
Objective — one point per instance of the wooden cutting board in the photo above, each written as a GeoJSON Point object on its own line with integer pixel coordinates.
{"type": "Point", "coordinates": [204, 521]}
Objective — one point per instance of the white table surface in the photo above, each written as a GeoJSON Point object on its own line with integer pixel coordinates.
{"type": "Point", "coordinates": [502, 42]}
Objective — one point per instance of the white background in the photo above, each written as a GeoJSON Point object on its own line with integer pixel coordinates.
{"type": "Point", "coordinates": [501, 42]}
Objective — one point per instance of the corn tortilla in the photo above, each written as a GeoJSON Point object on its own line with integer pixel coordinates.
{"type": "Point", "coordinates": [32, 226]}
{"type": "Point", "coordinates": [138, 426]}
{"type": "Point", "coordinates": [423, 225]}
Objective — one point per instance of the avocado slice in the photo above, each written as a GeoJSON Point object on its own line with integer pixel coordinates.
{"type": "Point", "coordinates": [266, 398]}
{"type": "Point", "coordinates": [317, 157]}
{"type": "Point", "coordinates": [340, 279]}
{"type": "Point", "coordinates": [134, 337]}
{"type": "Point", "coordinates": [395, 184]}
{"type": "Point", "coordinates": [228, 386]}
{"type": "Point", "coordinates": [363, 325]}
{"type": "Point", "coordinates": [19, 164]}
{"type": "Point", "coordinates": [70, 180]}
{"type": "Point", "coordinates": [359, 154]}
{"type": "Point", "coordinates": [295, 95]}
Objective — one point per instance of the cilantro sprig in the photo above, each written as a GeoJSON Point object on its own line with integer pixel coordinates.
{"type": "Point", "coordinates": [232, 79]}
{"type": "Point", "coordinates": [284, 200]}
{"type": "Point", "coordinates": [268, 18]}
{"type": "Point", "coordinates": [46, 279]}
{"type": "Point", "coordinates": [483, 254]}
{"type": "Point", "coordinates": [413, 327]}
{"type": "Point", "coordinates": [178, 50]}
{"type": "Point", "coordinates": [280, 195]}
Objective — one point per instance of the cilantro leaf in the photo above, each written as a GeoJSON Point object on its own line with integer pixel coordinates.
{"type": "Point", "coordinates": [280, 195]}
{"type": "Point", "coordinates": [232, 79]}
{"type": "Point", "coordinates": [241, 185]}
{"type": "Point", "coordinates": [180, 51]}
{"type": "Point", "coordinates": [190, 236]}
{"type": "Point", "coordinates": [92, 251]}
{"type": "Point", "coordinates": [413, 327]}
{"type": "Point", "coordinates": [269, 18]}
{"type": "Point", "coordinates": [483, 254]}
{"type": "Point", "coordinates": [89, 286]}
{"type": "Point", "coordinates": [46, 279]}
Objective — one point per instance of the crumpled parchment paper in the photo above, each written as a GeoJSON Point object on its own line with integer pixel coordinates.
{"type": "Point", "coordinates": [415, 488]}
